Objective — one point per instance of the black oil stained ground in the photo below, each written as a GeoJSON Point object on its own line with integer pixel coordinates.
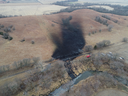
{"type": "Point", "coordinates": [72, 41]}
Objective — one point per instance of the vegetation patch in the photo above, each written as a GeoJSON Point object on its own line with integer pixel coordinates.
{"type": "Point", "coordinates": [43, 79]}
{"type": "Point", "coordinates": [102, 21]}
{"type": "Point", "coordinates": [8, 29]}
{"type": "Point", "coordinates": [118, 9]}
{"type": "Point", "coordinates": [1, 33]}
{"type": "Point", "coordinates": [102, 44]}
{"type": "Point", "coordinates": [125, 39]}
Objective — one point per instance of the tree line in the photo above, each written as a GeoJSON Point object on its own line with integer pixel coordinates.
{"type": "Point", "coordinates": [118, 9]}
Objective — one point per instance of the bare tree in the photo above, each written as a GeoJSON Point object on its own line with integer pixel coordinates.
{"type": "Point", "coordinates": [116, 65]}
{"type": "Point", "coordinates": [88, 48]}
{"type": "Point", "coordinates": [35, 60]}
{"type": "Point", "coordinates": [103, 43]}
{"type": "Point", "coordinates": [8, 67]}
{"type": "Point", "coordinates": [106, 43]}
{"type": "Point", "coordinates": [97, 61]}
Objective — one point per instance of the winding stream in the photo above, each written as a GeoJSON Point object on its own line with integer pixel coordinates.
{"type": "Point", "coordinates": [70, 84]}
{"type": "Point", "coordinates": [62, 89]}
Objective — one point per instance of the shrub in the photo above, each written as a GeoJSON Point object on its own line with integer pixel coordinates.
{"type": "Point", "coordinates": [1, 33]}
{"type": "Point", "coordinates": [97, 63]}
{"type": "Point", "coordinates": [109, 58]}
{"type": "Point", "coordinates": [10, 26]}
{"type": "Point", "coordinates": [13, 28]}
{"type": "Point", "coordinates": [33, 42]}
{"type": "Point", "coordinates": [106, 16]}
{"type": "Point", "coordinates": [110, 28]}
{"type": "Point", "coordinates": [2, 26]}
{"type": "Point", "coordinates": [101, 44]}
{"type": "Point", "coordinates": [53, 25]}
{"type": "Point", "coordinates": [98, 19]}
{"type": "Point", "coordinates": [26, 62]}
{"type": "Point", "coordinates": [35, 60]}
{"type": "Point", "coordinates": [99, 30]}
{"type": "Point", "coordinates": [102, 21]}
{"type": "Point", "coordinates": [106, 43]}
{"type": "Point", "coordinates": [105, 22]}
{"type": "Point", "coordinates": [7, 29]}
{"type": "Point", "coordinates": [115, 21]}
{"type": "Point", "coordinates": [125, 39]}
{"type": "Point", "coordinates": [4, 68]}
{"type": "Point", "coordinates": [22, 63]}
{"type": "Point", "coordinates": [88, 48]}
{"type": "Point", "coordinates": [10, 38]}
{"type": "Point", "coordinates": [116, 65]}
{"type": "Point", "coordinates": [22, 40]}
{"type": "Point", "coordinates": [5, 35]}
{"type": "Point", "coordinates": [93, 32]}
{"type": "Point", "coordinates": [89, 33]}
{"type": "Point", "coordinates": [95, 47]}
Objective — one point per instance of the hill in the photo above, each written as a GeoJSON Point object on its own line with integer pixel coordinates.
{"type": "Point", "coordinates": [40, 28]}
{"type": "Point", "coordinates": [60, 36]}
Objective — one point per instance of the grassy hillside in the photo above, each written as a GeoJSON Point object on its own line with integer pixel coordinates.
{"type": "Point", "coordinates": [43, 36]}
{"type": "Point", "coordinates": [40, 28]}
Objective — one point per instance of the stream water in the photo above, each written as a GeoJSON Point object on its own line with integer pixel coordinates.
{"type": "Point", "coordinates": [62, 89]}
{"type": "Point", "coordinates": [70, 84]}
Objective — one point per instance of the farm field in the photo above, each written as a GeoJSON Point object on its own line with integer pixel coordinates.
{"type": "Point", "coordinates": [48, 1]}
{"type": "Point", "coordinates": [106, 7]}
{"type": "Point", "coordinates": [25, 9]}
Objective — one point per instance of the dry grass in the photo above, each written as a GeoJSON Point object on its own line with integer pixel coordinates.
{"type": "Point", "coordinates": [93, 85]}
{"type": "Point", "coordinates": [38, 28]}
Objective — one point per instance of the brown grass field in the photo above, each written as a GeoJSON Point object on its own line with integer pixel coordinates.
{"type": "Point", "coordinates": [40, 28]}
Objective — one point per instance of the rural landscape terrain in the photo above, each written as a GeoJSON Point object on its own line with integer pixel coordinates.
{"type": "Point", "coordinates": [63, 48]}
